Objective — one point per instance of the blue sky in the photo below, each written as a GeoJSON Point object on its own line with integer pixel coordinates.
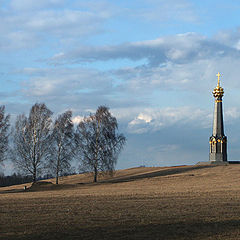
{"type": "Point", "coordinates": [152, 62]}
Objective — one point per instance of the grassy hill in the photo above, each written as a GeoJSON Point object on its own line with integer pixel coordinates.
{"type": "Point", "coordinates": [187, 202]}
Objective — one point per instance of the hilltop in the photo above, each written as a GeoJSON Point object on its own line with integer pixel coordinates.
{"type": "Point", "coordinates": [185, 202]}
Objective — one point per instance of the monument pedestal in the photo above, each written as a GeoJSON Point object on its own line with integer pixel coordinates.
{"type": "Point", "coordinates": [214, 163]}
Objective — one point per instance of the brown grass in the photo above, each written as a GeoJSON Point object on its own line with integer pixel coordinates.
{"type": "Point", "coordinates": [185, 202]}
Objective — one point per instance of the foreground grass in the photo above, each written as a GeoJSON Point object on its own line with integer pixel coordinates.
{"type": "Point", "coordinates": [185, 204]}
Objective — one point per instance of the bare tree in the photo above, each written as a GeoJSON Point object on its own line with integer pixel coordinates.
{"type": "Point", "coordinates": [31, 140]}
{"type": "Point", "coordinates": [4, 126]}
{"type": "Point", "coordinates": [62, 144]}
{"type": "Point", "coordinates": [99, 142]}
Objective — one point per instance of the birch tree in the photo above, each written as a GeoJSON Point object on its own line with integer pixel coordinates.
{"type": "Point", "coordinates": [31, 140]}
{"type": "Point", "coordinates": [4, 126]}
{"type": "Point", "coordinates": [99, 141]}
{"type": "Point", "coordinates": [62, 144]}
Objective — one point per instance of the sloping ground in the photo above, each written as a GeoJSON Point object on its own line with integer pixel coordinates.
{"type": "Point", "coordinates": [154, 173]}
{"type": "Point", "coordinates": [188, 202]}
{"type": "Point", "coordinates": [86, 178]}
{"type": "Point", "coordinates": [119, 175]}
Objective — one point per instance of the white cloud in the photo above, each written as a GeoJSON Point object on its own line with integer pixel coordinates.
{"type": "Point", "coordinates": [145, 117]}
{"type": "Point", "coordinates": [232, 113]}
{"type": "Point", "coordinates": [152, 119]}
{"type": "Point", "coordinates": [144, 86]}
{"type": "Point", "coordinates": [161, 11]}
{"type": "Point", "coordinates": [23, 5]}
{"type": "Point", "coordinates": [30, 23]}
{"type": "Point", "coordinates": [64, 81]}
{"type": "Point", "coordinates": [66, 23]}
{"type": "Point", "coordinates": [179, 49]}
{"type": "Point", "coordinates": [64, 88]}
{"type": "Point", "coordinates": [77, 119]}
{"type": "Point", "coordinates": [228, 37]}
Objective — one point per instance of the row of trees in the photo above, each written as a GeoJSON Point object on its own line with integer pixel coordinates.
{"type": "Point", "coordinates": [37, 143]}
{"type": "Point", "coordinates": [14, 179]}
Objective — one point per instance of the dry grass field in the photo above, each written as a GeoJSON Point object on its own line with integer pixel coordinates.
{"type": "Point", "coordinates": [188, 202]}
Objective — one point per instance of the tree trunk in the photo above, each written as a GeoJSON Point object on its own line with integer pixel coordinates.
{"type": "Point", "coordinates": [57, 171]}
{"type": "Point", "coordinates": [95, 174]}
{"type": "Point", "coordinates": [34, 176]}
{"type": "Point", "coordinates": [57, 177]}
{"type": "Point", "coordinates": [96, 154]}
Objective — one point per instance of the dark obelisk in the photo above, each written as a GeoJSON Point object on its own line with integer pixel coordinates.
{"type": "Point", "coordinates": [218, 141]}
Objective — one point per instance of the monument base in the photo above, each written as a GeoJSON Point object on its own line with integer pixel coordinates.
{"type": "Point", "coordinates": [218, 157]}
{"type": "Point", "coordinates": [222, 163]}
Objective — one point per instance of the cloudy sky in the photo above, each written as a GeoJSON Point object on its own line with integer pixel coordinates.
{"type": "Point", "coordinates": [152, 62]}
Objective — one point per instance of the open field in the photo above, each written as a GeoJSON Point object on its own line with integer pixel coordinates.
{"type": "Point", "coordinates": [185, 202]}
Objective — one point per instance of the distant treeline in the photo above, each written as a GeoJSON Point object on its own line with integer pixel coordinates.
{"type": "Point", "coordinates": [14, 180]}
{"type": "Point", "coordinates": [17, 178]}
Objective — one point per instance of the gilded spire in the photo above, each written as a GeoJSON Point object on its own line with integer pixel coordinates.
{"type": "Point", "coordinates": [218, 75]}
{"type": "Point", "coordinates": [218, 91]}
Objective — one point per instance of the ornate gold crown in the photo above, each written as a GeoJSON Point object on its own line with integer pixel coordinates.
{"type": "Point", "coordinates": [218, 91]}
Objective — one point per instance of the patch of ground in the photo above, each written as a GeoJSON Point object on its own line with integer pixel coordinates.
{"type": "Point", "coordinates": [188, 202]}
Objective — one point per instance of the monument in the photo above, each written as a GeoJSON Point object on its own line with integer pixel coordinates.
{"type": "Point", "coordinates": [218, 141]}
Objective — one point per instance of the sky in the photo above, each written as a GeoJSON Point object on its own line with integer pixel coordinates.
{"type": "Point", "coordinates": [152, 62]}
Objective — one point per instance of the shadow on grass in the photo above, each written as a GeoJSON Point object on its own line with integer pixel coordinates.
{"type": "Point", "coordinates": [159, 173]}
{"type": "Point", "coordinates": [12, 191]}
{"type": "Point", "coordinates": [40, 188]}
{"type": "Point", "coordinates": [181, 230]}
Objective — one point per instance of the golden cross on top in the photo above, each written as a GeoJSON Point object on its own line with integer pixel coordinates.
{"type": "Point", "coordinates": [218, 75]}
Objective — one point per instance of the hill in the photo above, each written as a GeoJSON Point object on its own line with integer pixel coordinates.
{"type": "Point", "coordinates": [187, 202]}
